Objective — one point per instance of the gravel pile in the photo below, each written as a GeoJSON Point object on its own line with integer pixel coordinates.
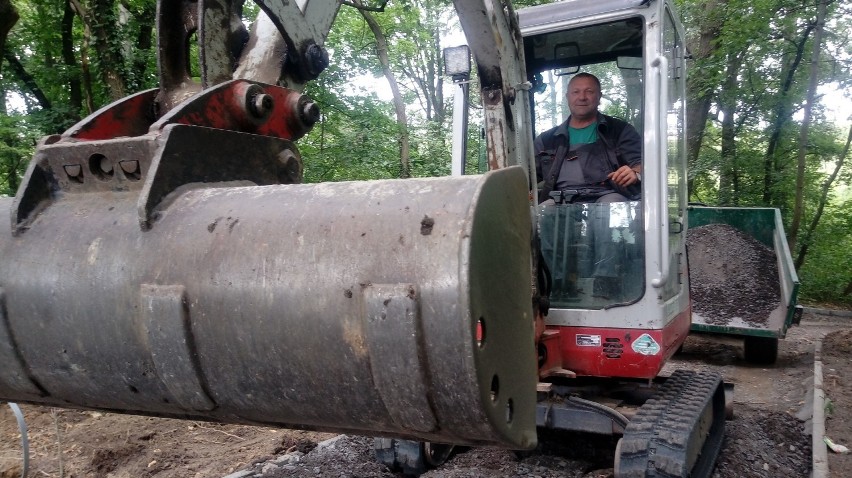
{"type": "Point", "coordinates": [352, 456]}
{"type": "Point", "coordinates": [731, 275]}
{"type": "Point", "coordinates": [342, 456]}
{"type": "Point", "coordinates": [760, 443]}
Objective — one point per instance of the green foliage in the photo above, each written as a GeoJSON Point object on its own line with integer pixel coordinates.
{"type": "Point", "coordinates": [826, 273]}
{"type": "Point", "coordinates": [359, 137]}
{"type": "Point", "coordinates": [356, 137]}
{"type": "Point", "coordinates": [432, 151]}
{"type": "Point", "coordinates": [769, 43]}
{"type": "Point", "coordinates": [17, 142]}
{"type": "Point", "coordinates": [36, 42]}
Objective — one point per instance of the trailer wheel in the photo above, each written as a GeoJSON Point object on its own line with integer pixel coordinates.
{"type": "Point", "coordinates": [761, 350]}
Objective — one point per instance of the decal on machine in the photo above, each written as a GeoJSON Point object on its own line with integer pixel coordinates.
{"type": "Point", "coordinates": [585, 340]}
{"type": "Point", "coordinates": [646, 345]}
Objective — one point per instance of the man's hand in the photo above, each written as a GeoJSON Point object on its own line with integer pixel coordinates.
{"type": "Point", "coordinates": [624, 176]}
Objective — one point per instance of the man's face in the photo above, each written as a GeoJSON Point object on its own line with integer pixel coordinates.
{"type": "Point", "coordinates": [584, 96]}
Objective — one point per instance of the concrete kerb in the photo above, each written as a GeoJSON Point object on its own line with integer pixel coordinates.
{"type": "Point", "coordinates": [820, 450]}
{"type": "Point", "coordinates": [828, 312]}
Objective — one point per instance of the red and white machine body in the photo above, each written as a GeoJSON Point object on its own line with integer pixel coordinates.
{"type": "Point", "coordinates": [619, 303]}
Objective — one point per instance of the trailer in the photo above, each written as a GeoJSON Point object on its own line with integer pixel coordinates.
{"type": "Point", "coordinates": [760, 327]}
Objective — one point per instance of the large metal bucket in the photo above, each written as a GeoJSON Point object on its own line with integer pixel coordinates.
{"type": "Point", "coordinates": [386, 308]}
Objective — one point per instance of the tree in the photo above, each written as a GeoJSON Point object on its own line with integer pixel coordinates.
{"type": "Point", "coordinates": [398, 103]}
{"type": "Point", "coordinates": [419, 54]}
{"type": "Point", "coordinates": [803, 135]}
{"type": "Point", "coordinates": [793, 49]}
{"type": "Point", "coordinates": [823, 201]}
{"type": "Point", "coordinates": [729, 170]}
{"type": "Point", "coordinates": [746, 90]}
{"type": "Point", "coordinates": [703, 81]}
{"type": "Point", "coordinates": [101, 27]}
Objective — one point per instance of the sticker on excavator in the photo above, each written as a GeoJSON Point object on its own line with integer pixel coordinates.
{"type": "Point", "coordinates": [584, 340]}
{"type": "Point", "coordinates": [646, 345]}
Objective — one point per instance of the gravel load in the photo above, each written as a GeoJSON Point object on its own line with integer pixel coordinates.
{"type": "Point", "coordinates": [731, 275]}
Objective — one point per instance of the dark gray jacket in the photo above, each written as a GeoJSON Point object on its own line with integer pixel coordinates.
{"type": "Point", "coordinates": [619, 139]}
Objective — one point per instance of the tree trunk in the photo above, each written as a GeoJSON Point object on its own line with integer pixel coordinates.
{"type": "Point", "coordinates": [75, 93]}
{"type": "Point", "coordinates": [144, 40]}
{"type": "Point", "coordinates": [8, 18]}
{"type": "Point", "coordinates": [101, 32]}
{"type": "Point", "coordinates": [87, 77]}
{"type": "Point", "coordinates": [425, 68]}
{"type": "Point", "coordinates": [728, 170]}
{"type": "Point", "coordinates": [823, 199]}
{"type": "Point", "coordinates": [398, 103]}
{"type": "Point", "coordinates": [85, 65]}
{"type": "Point", "coordinates": [434, 62]}
{"type": "Point", "coordinates": [798, 210]}
{"type": "Point", "coordinates": [780, 117]}
{"type": "Point", "coordinates": [553, 112]}
{"type": "Point", "coordinates": [437, 67]}
{"type": "Point", "coordinates": [701, 88]}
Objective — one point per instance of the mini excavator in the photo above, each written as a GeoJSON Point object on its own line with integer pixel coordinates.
{"type": "Point", "coordinates": [163, 258]}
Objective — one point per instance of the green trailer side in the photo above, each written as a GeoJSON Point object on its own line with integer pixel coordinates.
{"type": "Point", "coordinates": [764, 225]}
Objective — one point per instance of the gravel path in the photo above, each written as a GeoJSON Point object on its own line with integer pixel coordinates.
{"type": "Point", "coordinates": [769, 436]}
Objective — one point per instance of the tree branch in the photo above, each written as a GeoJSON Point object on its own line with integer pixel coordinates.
{"type": "Point", "coordinates": [364, 8]}
{"type": "Point", "coordinates": [823, 199]}
{"type": "Point", "coordinates": [27, 79]}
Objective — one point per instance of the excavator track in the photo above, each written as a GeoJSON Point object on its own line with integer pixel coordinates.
{"type": "Point", "coordinates": [678, 432]}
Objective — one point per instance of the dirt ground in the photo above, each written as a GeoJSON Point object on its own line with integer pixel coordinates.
{"type": "Point", "coordinates": [766, 438]}
{"type": "Point", "coordinates": [95, 444]}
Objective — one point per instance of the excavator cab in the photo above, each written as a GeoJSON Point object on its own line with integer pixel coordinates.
{"type": "Point", "coordinates": [593, 250]}
{"type": "Point", "coordinates": [619, 288]}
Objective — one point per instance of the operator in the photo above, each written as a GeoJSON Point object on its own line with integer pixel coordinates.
{"type": "Point", "coordinates": [591, 157]}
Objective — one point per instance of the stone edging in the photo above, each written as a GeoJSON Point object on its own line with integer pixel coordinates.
{"type": "Point", "coordinates": [831, 312]}
{"type": "Point", "coordinates": [819, 448]}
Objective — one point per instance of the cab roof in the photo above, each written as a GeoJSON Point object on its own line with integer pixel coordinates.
{"type": "Point", "coordinates": [554, 39]}
{"type": "Point", "coordinates": [542, 17]}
